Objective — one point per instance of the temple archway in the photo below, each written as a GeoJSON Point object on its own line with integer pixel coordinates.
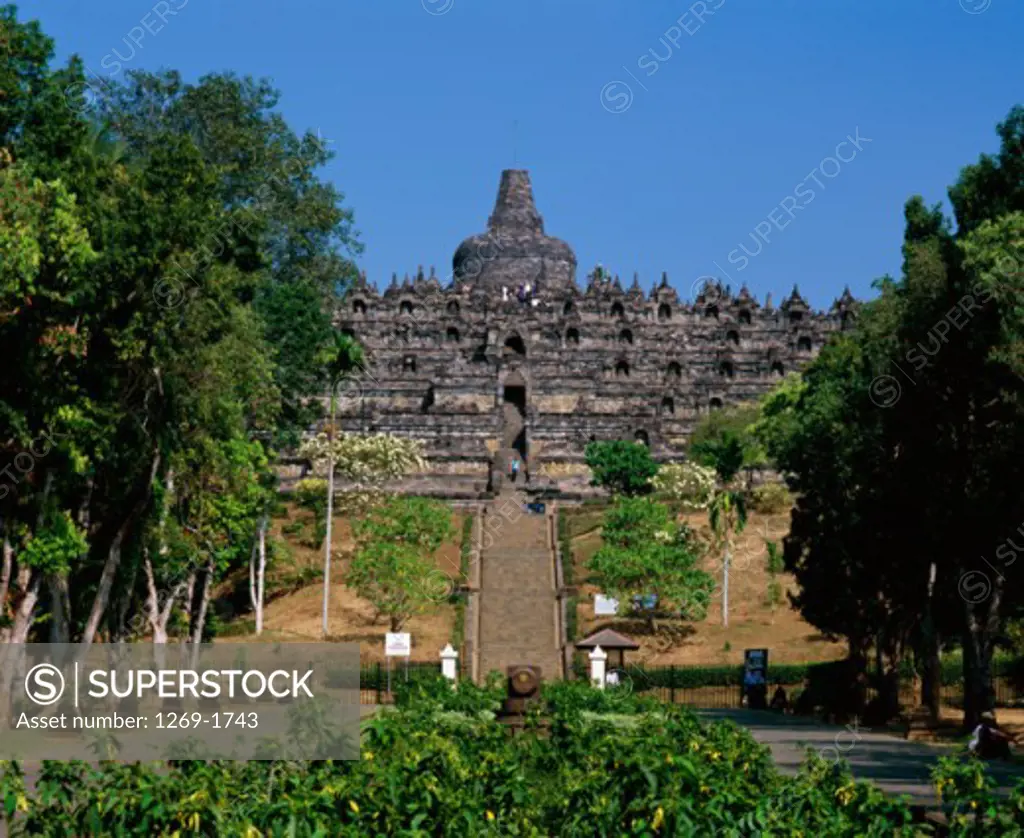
{"type": "Point", "coordinates": [514, 345]}
{"type": "Point", "coordinates": [514, 414]}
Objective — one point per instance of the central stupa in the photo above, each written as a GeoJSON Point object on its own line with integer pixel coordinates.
{"type": "Point", "coordinates": [514, 251]}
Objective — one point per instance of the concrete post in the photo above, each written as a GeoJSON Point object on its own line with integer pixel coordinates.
{"type": "Point", "coordinates": [448, 658]}
{"type": "Point", "coordinates": [598, 663]}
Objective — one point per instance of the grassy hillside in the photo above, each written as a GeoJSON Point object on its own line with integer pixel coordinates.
{"type": "Point", "coordinates": [753, 623]}
{"type": "Point", "coordinates": [295, 593]}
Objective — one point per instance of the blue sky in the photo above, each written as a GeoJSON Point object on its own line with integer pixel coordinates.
{"type": "Point", "coordinates": [659, 136]}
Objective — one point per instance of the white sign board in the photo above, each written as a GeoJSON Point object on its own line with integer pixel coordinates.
{"type": "Point", "coordinates": [397, 644]}
{"type": "Point", "coordinates": [605, 606]}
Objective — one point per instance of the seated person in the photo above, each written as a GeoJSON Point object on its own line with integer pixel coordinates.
{"type": "Point", "coordinates": [779, 701]}
{"type": "Point", "coordinates": [988, 741]}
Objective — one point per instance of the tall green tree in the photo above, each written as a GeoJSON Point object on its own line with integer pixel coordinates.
{"type": "Point", "coordinates": [622, 467]}
{"type": "Point", "coordinates": [904, 441]}
{"type": "Point", "coordinates": [170, 262]}
{"type": "Point", "coordinates": [345, 357]}
{"type": "Point", "coordinates": [727, 515]}
{"type": "Point", "coordinates": [393, 565]}
{"type": "Point", "coordinates": [646, 554]}
{"type": "Point", "coordinates": [724, 440]}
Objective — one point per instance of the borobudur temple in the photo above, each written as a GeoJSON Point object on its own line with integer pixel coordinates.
{"type": "Point", "coordinates": [513, 359]}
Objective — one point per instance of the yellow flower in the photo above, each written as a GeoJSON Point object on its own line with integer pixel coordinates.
{"type": "Point", "coordinates": [490, 815]}
{"type": "Point", "coordinates": [695, 746]}
{"type": "Point", "coordinates": [704, 789]}
{"type": "Point", "coordinates": [715, 755]}
{"type": "Point", "coordinates": [353, 806]}
{"type": "Point", "coordinates": [845, 794]}
{"type": "Point", "coordinates": [974, 804]}
{"type": "Point", "coordinates": [659, 818]}
{"type": "Point", "coordinates": [367, 754]}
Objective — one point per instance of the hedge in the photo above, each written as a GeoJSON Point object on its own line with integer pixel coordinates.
{"type": "Point", "coordinates": [568, 576]}
{"type": "Point", "coordinates": [440, 764]}
{"type": "Point", "coordinates": [459, 628]}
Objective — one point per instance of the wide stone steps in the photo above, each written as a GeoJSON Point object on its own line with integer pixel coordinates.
{"type": "Point", "coordinates": [517, 598]}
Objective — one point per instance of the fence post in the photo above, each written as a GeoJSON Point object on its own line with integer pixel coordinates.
{"type": "Point", "coordinates": [378, 682]}
{"type": "Point", "coordinates": [598, 661]}
{"type": "Point", "coordinates": [672, 682]}
{"type": "Point", "coordinates": [449, 663]}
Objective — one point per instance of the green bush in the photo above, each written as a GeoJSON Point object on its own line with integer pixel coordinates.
{"type": "Point", "coordinates": [564, 527]}
{"type": "Point", "coordinates": [771, 499]}
{"type": "Point", "coordinates": [621, 467]}
{"type": "Point", "coordinates": [439, 764]}
{"type": "Point", "coordinates": [311, 494]}
{"type": "Point", "coordinates": [694, 677]}
{"type": "Point", "coordinates": [459, 627]}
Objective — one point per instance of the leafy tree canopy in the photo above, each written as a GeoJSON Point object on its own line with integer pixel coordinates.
{"type": "Point", "coordinates": [724, 441]}
{"type": "Point", "coordinates": [646, 552]}
{"type": "Point", "coordinates": [393, 566]}
{"type": "Point", "coordinates": [622, 467]}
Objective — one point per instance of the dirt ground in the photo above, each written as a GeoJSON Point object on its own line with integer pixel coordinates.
{"type": "Point", "coordinates": [1010, 719]}
{"type": "Point", "coordinates": [298, 616]}
{"type": "Point", "coordinates": [753, 623]}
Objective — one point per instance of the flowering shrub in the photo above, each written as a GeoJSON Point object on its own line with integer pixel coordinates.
{"type": "Point", "coordinates": [688, 483]}
{"type": "Point", "coordinates": [363, 463]}
{"type": "Point", "coordinates": [439, 764]}
{"type": "Point", "coordinates": [963, 785]}
{"type": "Point", "coordinates": [365, 458]}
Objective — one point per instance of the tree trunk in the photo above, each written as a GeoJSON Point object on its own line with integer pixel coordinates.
{"type": "Point", "coordinates": [113, 560]}
{"type": "Point", "coordinates": [6, 569]}
{"type": "Point", "coordinates": [157, 615]}
{"type": "Point", "coordinates": [330, 515]}
{"type": "Point", "coordinates": [190, 591]}
{"type": "Point", "coordinates": [258, 572]}
{"type": "Point", "coordinates": [931, 680]}
{"type": "Point", "coordinates": [99, 603]}
{"type": "Point", "coordinates": [30, 581]}
{"type": "Point", "coordinates": [60, 608]}
{"type": "Point", "coordinates": [118, 626]}
{"type": "Point", "coordinates": [200, 617]}
{"type": "Point", "coordinates": [978, 644]}
{"type": "Point", "coordinates": [25, 614]}
{"type": "Point", "coordinates": [725, 587]}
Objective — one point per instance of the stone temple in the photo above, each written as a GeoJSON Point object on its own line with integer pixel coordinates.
{"type": "Point", "coordinates": [482, 370]}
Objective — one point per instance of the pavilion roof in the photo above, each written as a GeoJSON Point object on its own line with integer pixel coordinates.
{"type": "Point", "coordinates": [607, 639]}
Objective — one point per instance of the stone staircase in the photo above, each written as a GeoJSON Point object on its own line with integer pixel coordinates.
{"type": "Point", "coordinates": [517, 596]}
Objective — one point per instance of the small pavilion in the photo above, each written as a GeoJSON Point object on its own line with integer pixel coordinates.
{"type": "Point", "coordinates": [611, 642]}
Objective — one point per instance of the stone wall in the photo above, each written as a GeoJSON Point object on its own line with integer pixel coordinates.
{"type": "Point", "coordinates": [600, 362]}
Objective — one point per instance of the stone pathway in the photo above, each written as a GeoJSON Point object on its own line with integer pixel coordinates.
{"type": "Point", "coordinates": [517, 591]}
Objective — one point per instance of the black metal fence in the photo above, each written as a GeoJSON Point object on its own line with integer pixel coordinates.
{"type": "Point", "coordinates": [720, 687]}
{"type": "Point", "coordinates": [377, 685]}
{"type": "Point", "coordinates": [693, 686]}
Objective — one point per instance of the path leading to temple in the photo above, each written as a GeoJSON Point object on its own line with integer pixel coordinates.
{"type": "Point", "coordinates": [517, 591]}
